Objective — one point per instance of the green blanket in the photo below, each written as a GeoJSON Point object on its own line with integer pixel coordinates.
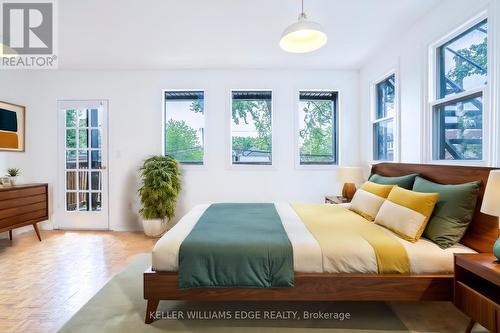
{"type": "Point", "coordinates": [239, 246]}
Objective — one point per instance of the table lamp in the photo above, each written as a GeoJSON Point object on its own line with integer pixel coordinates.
{"type": "Point", "coordinates": [350, 176]}
{"type": "Point", "coordinates": [491, 203]}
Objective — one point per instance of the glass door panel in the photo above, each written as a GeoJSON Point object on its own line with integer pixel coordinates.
{"type": "Point", "coordinates": [85, 152]}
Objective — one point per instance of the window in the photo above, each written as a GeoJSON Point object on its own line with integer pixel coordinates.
{"type": "Point", "coordinates": [461, 77]}
{"type": "Point", "coordinates": [318, 139]}
{"type": "Point", "coordinates": [383, 124]}
{"type": "Point", "coordinates": [251, 127]}
{"type": "Point", "coordinates": [184, 122]}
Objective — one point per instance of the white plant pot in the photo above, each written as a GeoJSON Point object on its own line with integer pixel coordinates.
{"type": "Point", "coordinates": [13, 180]}
{"type": "Point", "coordinates": [154, 228]}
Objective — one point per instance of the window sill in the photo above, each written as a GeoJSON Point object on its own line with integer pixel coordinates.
{"type": "Point", "coordinates": [251, 167]}
{"type": "Point", "coordinates": [316, 167]}
{"type": "Point", "coordinates": [193, 166]}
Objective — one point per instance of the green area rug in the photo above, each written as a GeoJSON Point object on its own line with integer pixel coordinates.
{"type": "Point", "coordinates": [119, 307]}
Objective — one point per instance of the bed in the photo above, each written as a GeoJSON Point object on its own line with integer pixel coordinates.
{"type": "Point", "coordinates": [320, 275]}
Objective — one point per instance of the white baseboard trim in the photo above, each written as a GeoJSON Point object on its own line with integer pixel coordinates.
{"type": "Point", "coordinates": [45, 225]}
{"type": "Point", "coordinates": [126, 227]}
{"type": "Point", "coordinates": [49, 226]}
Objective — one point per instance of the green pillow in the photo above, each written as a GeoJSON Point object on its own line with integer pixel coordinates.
{"type": "Point", "coordinates": [405, 182]}
{"type": "Point", "coordinates": [453, 211]}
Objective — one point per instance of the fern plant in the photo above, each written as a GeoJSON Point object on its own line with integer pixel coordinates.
{"type": "Point", "coordinates": [161, 185]}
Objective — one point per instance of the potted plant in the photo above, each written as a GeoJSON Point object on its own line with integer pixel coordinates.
{"type": "Point", "coordinates": [161, 185]}
{"type": "Point", "coordinates": [13, 173]}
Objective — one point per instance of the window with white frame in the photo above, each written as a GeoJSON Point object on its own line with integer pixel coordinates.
{"type": "Point", "coordinates": [384, 124]}
{"type": "Point", "coordinates": [318, 134]}
{"type": "Point", "coordinates": [251, 127]}
{"type": "Point", "coordinates": [461, 77]}
{"type": "Point", "coordinates": [184, 125]}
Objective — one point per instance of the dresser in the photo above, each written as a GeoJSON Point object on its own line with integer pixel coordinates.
{"type": "Point", "coordinates": [23, 205]}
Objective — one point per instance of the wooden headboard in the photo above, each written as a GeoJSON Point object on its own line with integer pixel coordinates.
{"type": "Point", "coordinates": [483, 230]}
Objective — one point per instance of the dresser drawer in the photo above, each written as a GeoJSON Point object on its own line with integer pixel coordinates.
{"type": "Point", "coordinates": [24, 201]}
{"type": "Point", "coordinates": [16, 211]}
{"type": "Point", "coordinates": [16, 193]}
{"type": "Point", "coordinates": [37, 215]}
{"type": "Point", "coordinates": [477, 306]}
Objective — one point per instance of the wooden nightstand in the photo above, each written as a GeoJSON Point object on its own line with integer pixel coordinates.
{"type": "Point", "coordinates": [336, 199]}
{"type": "Point", "coordinates": [477, 289]}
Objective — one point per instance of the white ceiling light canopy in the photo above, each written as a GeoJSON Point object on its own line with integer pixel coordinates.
{"type": "Point", "coordinates": [303, 36]}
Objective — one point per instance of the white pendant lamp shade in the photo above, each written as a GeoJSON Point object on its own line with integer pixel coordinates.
{"type": "Point", "coordinates": [303, 36]}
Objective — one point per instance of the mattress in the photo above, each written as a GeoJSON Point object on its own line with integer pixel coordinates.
{"type": "Point", "coordinates": [425, 257]}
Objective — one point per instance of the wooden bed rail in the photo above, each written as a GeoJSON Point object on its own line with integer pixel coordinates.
{"type": "Point", "coordinates": [308, 287]}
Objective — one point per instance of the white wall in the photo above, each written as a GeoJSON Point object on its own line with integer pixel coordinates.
{"type": "Point", "coordinates": [135, 106]}
{"type": "Point", "coordinates": [409, 55]}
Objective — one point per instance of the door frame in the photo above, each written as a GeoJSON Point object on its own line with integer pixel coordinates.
{"type": "Point", "coordinates": [60, 190]}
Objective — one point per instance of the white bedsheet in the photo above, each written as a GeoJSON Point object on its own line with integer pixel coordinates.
{"type": "Point", "coordinates": [349, 257]}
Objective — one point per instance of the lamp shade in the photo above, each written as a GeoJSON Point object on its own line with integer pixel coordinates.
{"type": "Point", "coordinates": [350, 175]}
{"type": "Point", "coordinates": [303, 36]}
{"type": "Point", "coordinates": [491, 200]}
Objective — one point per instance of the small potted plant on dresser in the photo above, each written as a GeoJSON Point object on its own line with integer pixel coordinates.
{"type": "Point", "coordinates": [161, 185]}
{"type": "Point", "coordinates": [13, 174]}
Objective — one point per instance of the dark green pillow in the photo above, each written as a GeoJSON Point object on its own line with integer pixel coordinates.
{"type": "Point", "coordinates": [405, 182]}
{"type": "Point", "coordinates": [453, 211]}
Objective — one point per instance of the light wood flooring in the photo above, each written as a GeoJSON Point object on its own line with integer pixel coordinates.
{"type": "Point", "coordinates": [42, 284]}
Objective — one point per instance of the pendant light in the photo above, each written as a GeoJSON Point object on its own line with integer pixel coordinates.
{"type": "Point", "coordinates": [303, 36]}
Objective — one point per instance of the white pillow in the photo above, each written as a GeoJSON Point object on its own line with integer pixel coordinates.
{"type": "Point", "coordinates": [402, 220]}
{"type": "Point", "coordinates": [366, 204]}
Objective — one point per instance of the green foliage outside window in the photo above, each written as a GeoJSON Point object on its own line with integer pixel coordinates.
{"type": "Point", "coordinates": [259, 111]}
{"type": "Point", "coordinates": [317, 134]}
{"type": "Point", "coordinates": [182, 141]}
{"type": "Point", "coordinates": [478, 54]}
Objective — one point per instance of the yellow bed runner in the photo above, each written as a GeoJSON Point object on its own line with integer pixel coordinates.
{"type": "Point", "coordinates": [330, 224]}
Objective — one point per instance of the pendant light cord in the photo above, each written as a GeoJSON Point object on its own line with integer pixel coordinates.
{"type": "Point", "coordinates": [302, 15]}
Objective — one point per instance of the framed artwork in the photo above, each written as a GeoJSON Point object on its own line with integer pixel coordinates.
{"type": "Point", "coordinates": [12, 135]}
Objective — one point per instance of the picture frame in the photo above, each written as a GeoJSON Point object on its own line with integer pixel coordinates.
{"type": "Point", "coordinates": [12, 127]}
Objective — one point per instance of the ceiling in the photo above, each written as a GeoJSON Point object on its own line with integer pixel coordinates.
{"type": "Point", "coordinates": [167, 34]}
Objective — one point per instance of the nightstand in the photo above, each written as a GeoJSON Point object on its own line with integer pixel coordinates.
{"type": "Point", "coordinates": [477, 289]}
{"type": "Point", "coordinates": [336, 199]}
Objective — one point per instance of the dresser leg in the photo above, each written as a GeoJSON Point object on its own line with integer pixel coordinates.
{"type": "Point", "coordinates": [10, 234]}
{"type": "Point", "coordinates": [37, 231]}
{"type": "Point", "coordinates": [469, 328]}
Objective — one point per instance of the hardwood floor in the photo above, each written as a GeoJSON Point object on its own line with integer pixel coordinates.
{"type": "Point", "coordinates": [42, 284]}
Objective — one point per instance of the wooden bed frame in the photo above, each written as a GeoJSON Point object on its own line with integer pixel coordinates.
{"type": "Point", "coordinates": [480, 236]}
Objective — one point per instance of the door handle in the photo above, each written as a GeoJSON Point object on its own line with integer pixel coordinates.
{"type": "Point", "coordinates": [103, 167]}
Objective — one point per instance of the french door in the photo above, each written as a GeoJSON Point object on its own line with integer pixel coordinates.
{"type": "Point", "coordinates": [83, 177]}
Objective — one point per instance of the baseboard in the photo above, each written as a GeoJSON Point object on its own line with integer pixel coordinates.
{"type": "Point", "coordinates": [45, 225]}
{"type": "Point", "coordinates": [49, 226]}
{"type": "Point", "coordinates": [126, 227]}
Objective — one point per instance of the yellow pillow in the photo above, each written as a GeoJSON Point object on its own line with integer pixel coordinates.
{"type": "Point", "coordinates": [368, 199]}
{"type": "Point", "coordinates": [406, 212]}
{"type": "Point", "coordinates": [378, 189]}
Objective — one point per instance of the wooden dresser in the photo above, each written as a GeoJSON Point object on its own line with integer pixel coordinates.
{"type": "Point", "coordinates": [477, 289]}
{"type": "Point", "coordinates": [23, 205]}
